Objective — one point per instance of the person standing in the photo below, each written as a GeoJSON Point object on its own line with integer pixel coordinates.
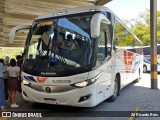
{"type": "Point", "coordinates": [2, 94]}
{"type": "Point", "coordinates": [13, 74]}
{"type": "Point", "coordinates": [6, 64]}
{"type": "Point", "coordinates": [19, 64]}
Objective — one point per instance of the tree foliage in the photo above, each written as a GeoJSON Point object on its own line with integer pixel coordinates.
{"type": "Point", "coordinates": [141, 27]}
{"type": "Point", "coordinates": [123, 37]}
{"type": "Point", "coordinates": [11, 52]}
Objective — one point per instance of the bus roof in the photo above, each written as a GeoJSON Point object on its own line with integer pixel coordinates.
{"type": "Point", "coordinates": [72, 11]}
{"type": "Point", "coordinates": [148, 46]}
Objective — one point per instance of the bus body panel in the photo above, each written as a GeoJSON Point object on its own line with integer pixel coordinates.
{"type": "Point", "coordinates": [128, 64]}
{"type": "Point", "coordinates": [104, 81]}
{"type": "Point", "coordinates": [55, 80]}
{"type": "Point", "coordinates": [70, 98]}
{"type": "Point", "coordinates": [147, 60]}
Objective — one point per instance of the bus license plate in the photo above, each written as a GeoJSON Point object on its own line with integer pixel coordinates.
{"type": "Point", "coordinates": [50, 100]}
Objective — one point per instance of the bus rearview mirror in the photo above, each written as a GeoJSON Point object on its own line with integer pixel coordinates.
{"type": "Point", "coordinates": [15, 29]}
{"type": "Point", "coordinates": [95, 24]}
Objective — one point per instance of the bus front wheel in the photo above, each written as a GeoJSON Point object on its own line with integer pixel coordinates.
{"type": "Point", "coordinates": [116, 91]}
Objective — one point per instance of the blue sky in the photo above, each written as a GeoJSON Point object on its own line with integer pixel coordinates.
{"type": "Point", "coordinates": [127, 9]}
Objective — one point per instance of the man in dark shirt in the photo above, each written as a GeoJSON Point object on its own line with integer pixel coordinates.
{"type": "Point", "coordinates": [19, 64]}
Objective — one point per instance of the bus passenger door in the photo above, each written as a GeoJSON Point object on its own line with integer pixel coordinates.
{"type": "Point", "coordinates": [104, 63]}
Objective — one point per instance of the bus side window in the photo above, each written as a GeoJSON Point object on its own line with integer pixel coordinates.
{"type": "Point", "coordinates": [158, 49]}
{"type": "Point", "coordinates": [146, 51]}
{"type": "Point", "coordinates": [101, 47]}
{"type": "Point", "coordinates": [104, 42]}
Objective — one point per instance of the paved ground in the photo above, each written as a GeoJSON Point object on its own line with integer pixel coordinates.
{"type": "Point", "coordinates": [134, 97]}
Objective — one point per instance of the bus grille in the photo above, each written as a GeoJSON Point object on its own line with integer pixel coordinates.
{"type": "Point", "coordinates": [55, 89]}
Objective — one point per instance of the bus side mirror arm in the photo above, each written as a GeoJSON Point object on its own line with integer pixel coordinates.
{"type": "Point", "coordinates": [14, 30]}
{"type": "Point", "coordinates": [95, 24]}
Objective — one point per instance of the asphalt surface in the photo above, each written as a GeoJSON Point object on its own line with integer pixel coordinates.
{"type": "Point", "coordinates": [133, 98]}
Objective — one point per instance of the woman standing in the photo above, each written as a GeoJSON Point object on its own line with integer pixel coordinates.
{"type": "Point", "coordinates": [13, 75]}
{"type": "Point", "coordinates": [2, 94]}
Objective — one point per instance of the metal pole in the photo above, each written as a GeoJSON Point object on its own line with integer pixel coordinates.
{"type": "Point", "coordinates": [153, 41]}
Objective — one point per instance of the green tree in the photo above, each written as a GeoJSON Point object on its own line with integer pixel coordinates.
{"type": "Point", "coordinates": [141, 27]}
{"type": "Point", "coordinates": [11, 52]}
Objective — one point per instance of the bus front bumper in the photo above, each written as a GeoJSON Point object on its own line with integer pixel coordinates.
{"type": "Point", "coordinates": [80, 97]}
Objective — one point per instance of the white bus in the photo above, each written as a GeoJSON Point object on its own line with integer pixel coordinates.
{"type": "Point", "coordinates": [78, 57]}
{"type": "Point", "coordinates": [147, 60]}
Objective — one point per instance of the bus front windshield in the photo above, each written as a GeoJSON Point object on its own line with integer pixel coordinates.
{"type": "Point", "coordinates": [60, 46]}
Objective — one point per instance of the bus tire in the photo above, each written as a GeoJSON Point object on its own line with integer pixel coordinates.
{"type": "Point", "coordinates": [144, 68]}
{"type": "Point", "coordinates": [116, 91]}
{"type": "Point", "coordinates": [139, 77]}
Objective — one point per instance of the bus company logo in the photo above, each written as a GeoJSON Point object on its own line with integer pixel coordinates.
{"type": "Point", "coordinates": [128, 60]}
{"type": "Point", "coordinates": [48, 89]}
{"type": "Point", "coordinates": [42, 79]}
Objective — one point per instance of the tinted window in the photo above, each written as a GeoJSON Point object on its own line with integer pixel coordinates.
{"type": "Point", "coordinates": [158, 49]}
{"type": "Point", "coordinates": [123, 37]}
{"type": "Point", "coordinates": [104, 42]}
{"type": "Point", "coordinates": [146, 51]}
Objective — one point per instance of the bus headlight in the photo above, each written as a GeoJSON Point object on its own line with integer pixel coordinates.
{"type": "Point", "coordinates": [81, 84]}
{"type": "Point", "coordinates": [25, 82]}
{"type": "Point", "coordinates": [84, 83]}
